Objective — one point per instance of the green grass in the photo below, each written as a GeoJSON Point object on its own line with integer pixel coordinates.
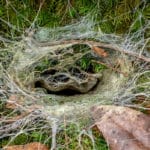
{"type": "Point", "coordinates": [118, 15]}
{"type": "Point", "coordinates": [67, 139]}
{"type": "Point", "coordinates": [143, 78]}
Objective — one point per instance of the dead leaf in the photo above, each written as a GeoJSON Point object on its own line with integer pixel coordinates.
{"type": "Point", "coordinates": [30, 146]}
{"type": "Point", "coordinates": [122, 127]}
{"type": "Point", "coordinates": [99, 51]}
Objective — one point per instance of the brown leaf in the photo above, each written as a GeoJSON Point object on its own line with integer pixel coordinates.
{"type": "Point", "coordinates": [30, 146]}
{"type": "Point", "coordinates": [99, 51]}
{"type": "Point", "coordinates": [122, 127]}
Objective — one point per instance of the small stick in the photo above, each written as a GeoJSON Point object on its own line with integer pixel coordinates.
{"type": "Point", "coordinates": [95, 44]}
{"type": "Point", "coordinates": [114, 69]}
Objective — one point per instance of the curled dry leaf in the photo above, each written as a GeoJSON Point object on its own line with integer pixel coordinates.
{"type": "Point", "coordinates": [30, 146]}
{"type": "Point", "coordinates": [99, 51]}
{"type": "Point", "coordinates": [122, 127]}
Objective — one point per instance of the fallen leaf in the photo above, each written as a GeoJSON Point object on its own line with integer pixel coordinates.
{"type": "Point", "coordinates": [30, 146]}
{"type": "Point", "coordinates": [122, 127]}
{"type": "Point", "coordinates": [99, 51]}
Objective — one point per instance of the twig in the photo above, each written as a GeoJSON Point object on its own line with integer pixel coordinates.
{"type": "Point", "coordinates": [54, 132]}
{"type": "Point", "coordinates": [114, 69]}
{"type": "Point", "coordinates": [35, 19]}
{"type": "Point", "coordinates": [93, 43]}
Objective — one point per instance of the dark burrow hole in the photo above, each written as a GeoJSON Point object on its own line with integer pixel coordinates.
{"type": "Point", "coordinates": [55, 75]}
{"type": "Point", "coordinates": [65, 92]}
{"type": "Point", "coordinates": [74, 71]}
{"type": "Point", "coordinates": [49, 72]}
{"type": "Point", "coordinates": [61, 78]}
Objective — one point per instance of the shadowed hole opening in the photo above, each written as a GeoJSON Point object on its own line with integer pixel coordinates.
{"type": "Point", "coordinates": [64, 92]}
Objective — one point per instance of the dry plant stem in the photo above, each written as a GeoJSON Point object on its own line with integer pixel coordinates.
{"type": "Point", "coordinates": [80, 139]}
{"type": "Point", "coordinates": [36, 17]}
{"type": "Point", "coordinates": [4, 40]}
{"type": "Point", "coordinates": [114, 69]}
{"type": "Point", "coordinates": [13, 119]}
{"type": "Point", "coordinates": [136, 106]}
{"type": "Point", "coordinates": [5, 130]}
{"type": "Point", "coordinates": [54, 131]}
{"type": "Point", "coordinates": [21, 116]}
{"type": "Point", "coordinates": [93, 43]}
{"type": "Point", "coordinates": [66, 137]}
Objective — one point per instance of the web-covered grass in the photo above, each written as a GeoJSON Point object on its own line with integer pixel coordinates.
{"type": "Point", "coordinates": [60, 121]}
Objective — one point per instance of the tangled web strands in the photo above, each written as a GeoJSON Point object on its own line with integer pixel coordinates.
{"type": "Point", "coordinates": [83, 30]}
{"type": "Point", "coordinates": [37, 45]}
{"type": "Point", "coordinates": [73, 31]}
